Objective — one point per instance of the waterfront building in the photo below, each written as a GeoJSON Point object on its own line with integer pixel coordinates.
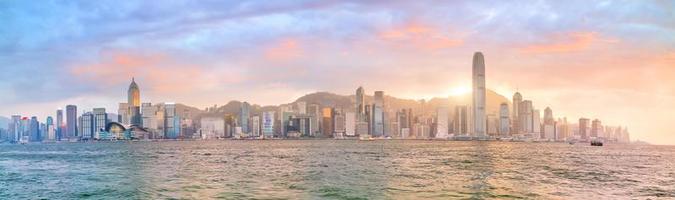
{"type": "Point", "coordinates": [339, 121]}
{"type": "Point", "coordinates": [314, 111]}
{"type": "Point", "coordinates": [50, 129]}
{"type": "Point", "coordinates": [536, 124]}
{"type": "Point", "coordinates": [327, 122]}
{"type": "Point", "coordinates": [255, 126]}
{"type": "Point", "coordinates": [100, 121]}
{"type": "Point", "coordinates": [15, 128]}
{"type": "Point", "coordinates": [244, 115]}
{"type": "Point", "coordinates": [517, 100]}
{"type": "Point", "coordinates": [583, 128]}
{"type": "Point", "coordinates": [71, 122]}
{"type": "Point", "coordinates": [442, 122]}
{"type": "Point", "coordinates": [378, 115]}
{"type": "Point", "coordinates": [461, 120]}
{"type": "Point", "coordinates": [492, 125]}
{"type": "Point", "coordinates": [479, 110]}
{"type": "Point", "coordinates": [123, 113]}
{"type": "Point", "coordinates": [526, 117]}
{"type": "Point", "coordinates": [172, 126]}
{"type": "Point", "coordinates": [212, 127]}
{"type": "Point", "coordinates": [134, 102]}
{"type": "Point", "coordinates": [268, 124]}
{"type": "Point", "coordinates": [360, 106]}
{"type": "Point", "coordinates": [548, 116]}
{"type": "Point", "coordinates": [87, 126]}
{"type": "Point", "coordinates": [34, 130]}
{"type": "Point", "coordinates": [60, 126]}
{"type": "Point", "coordinates": [350, 124]}
{"type": "Point", "coordinates": [504, 120]}
{"type": "Point", "coordinates": [596, 128]}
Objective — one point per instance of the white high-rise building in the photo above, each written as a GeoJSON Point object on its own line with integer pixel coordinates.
{"type": "Point", "coordinates": [255, 126]}
{"type": "Point", "coordinates": [268, 124]}
{"type": "Point", "coordinates": [442, 122]}
{"type": "Point", "coordinates": [350, 124]}
{"type": "Point", "coordinates": [536, 124]}
{"type": "Point", "coordinates": [479, 120]}
{"type": "Point", "coordinates": [212, 127]}
{"type": "Point", "coordinates": [504, 120]}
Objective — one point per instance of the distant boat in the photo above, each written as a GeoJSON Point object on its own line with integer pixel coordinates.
{"type": "Point", "coordinates": [596, 143]}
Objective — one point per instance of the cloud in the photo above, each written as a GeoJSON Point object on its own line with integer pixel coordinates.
{"type": "Point", "coordinates": [419, 36]}
{"type": "Point", "coordinates": [564, 43]}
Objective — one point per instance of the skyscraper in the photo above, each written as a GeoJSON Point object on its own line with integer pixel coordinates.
{"type": "Point", "coordinates": [360, 104]}
{"type": "Point", "coordinates": [268, 124]}
{"type": "Point", "coordinates": [171, 121]}
{"type": "Point", "coordinates": [548, 116]}
{"type": "Point", "coordinates": [583, 128]}
{"type": "Point", "coordinates": [503, 119]}
{"type": "Point", "coordinates": [442, 122]}
{"type": "Point", "coordinates": [517, 99]}
{"type": "Point", "coordinates": [244, 114]}
{"type": "Point", "coordinates": [134, 103]}
{"type": "Point", "coordinates": [479, 119]}
{"type": "Point", "coordinates": [100, 121]}
{"type": "Point", "coordinates": [87, 126]}
{"type": "Point", "coordinates": [34, 129]}
{"type": "Point", "coordinates": [51, 130]}
{"type": "Point", "coordinates": [59, 124]}
{"type": "Point", "coordinates": [71, 122]}
{"type": "Point", "coordinates": [378, 115]}
{"type": "Point", "coordinates": [525, 117]}
{"type": "Point", "coordinates": [461, 120]}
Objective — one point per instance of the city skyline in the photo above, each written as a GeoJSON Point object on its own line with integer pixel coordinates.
{"type": "Point", "coordinates": [617, 72]}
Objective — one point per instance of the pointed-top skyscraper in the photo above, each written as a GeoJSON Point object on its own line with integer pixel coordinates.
{"type": "Point", "coordinates": [479, 121]}
{"type": "Point", "coordinates": [134, 103]}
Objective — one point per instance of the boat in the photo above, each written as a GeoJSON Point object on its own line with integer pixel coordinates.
{"type": "Point", "coordinates": [596, 143]}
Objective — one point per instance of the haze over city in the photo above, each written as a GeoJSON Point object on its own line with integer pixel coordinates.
{"type": "Point", "coordinates": [610, 60]}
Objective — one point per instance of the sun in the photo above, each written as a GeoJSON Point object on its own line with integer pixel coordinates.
{"type": "Point", "coordinates": [459, 90]}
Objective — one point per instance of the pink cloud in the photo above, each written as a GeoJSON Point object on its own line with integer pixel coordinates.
{"type": "Point", "coordinates": [284, 50]}
{"type": "Point", "coordinates": [567, 42]}
{"type": "Point", "coordinates": [419, 36]}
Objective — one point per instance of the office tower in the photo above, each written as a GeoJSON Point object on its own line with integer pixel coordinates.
{"type": "Point", "coordinates": [378, 114]}
{"type": "Point", "coordinates": [14, 127]}
{"type": "Point", "coordinates": [327, 122]}
{"type": "Point", "coordinates": [100, 121]}
{"type": "Point", "coordinates": [516, 124]}
{"type": "Point", "coordinates": [149, 116]}
{"type": "Point", "coordinates": [268, 124]}
{"type": "Point", "coordinates": [34, 130]}
{"type": "Point", "coordinates": [255, 126]}
{"type": "Point", "coordinates": [548, 116]}
{"type": "Point", "coordinates": [314, 112]}
{"type": "Point", "coordinates": [212, 127]}
{"type": "Point", "coordinates": [504, 120]}
{"type": "Point", "coordinates": [244, 114]}
{"type": "Point", "coordinates": [339, 121]}
{"type": "Point", "coordinates": [583, 128]}
{"type": "Point", "coordinates": [123, 113]}
{"type": "Point", "coordinates": [172, 128]}
{"type": "Point", "coordinates": [350, 124]}
{"type": "Point", "coordinates": [87, 126]}
{"type": "Point", "coordinates": [134, 103]}
{"type": "Point", "coordinates": [442, 122]}
{"type": "Point", "coordinates": [525, 117]}
{"type": "Point", "coordinates": [596, 128]}
{"type": "Point", "coordinates": [536, 124]}
{"type": "Point", "coordinates": [50, 129]}
{"type": "Point", "coordinates": [360, 104]}
{"type": "Point", "coordinates": [59, 124]}
{"type": "Point", "coordinates": [71, 122]}
{"type": "Point", "coordinates": [24, 130]}
{"type": "Point", "coordinates": [492, 125]}
{"type": "Point", "coordinates": [461, 120]}
{"type": "Point", "coordinates": [479, 95]}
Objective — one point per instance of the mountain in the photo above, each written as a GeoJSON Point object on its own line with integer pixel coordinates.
{"type": "Point", "coordinates": [327, 99]}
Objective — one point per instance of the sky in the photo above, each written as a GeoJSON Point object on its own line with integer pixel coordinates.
{"type": "Point", "coordinates": [611, 60]}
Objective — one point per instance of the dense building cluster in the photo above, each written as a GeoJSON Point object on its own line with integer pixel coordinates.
{"type": "Point", "coordinates": [361, 118]}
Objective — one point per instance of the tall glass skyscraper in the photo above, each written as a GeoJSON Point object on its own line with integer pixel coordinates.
{"type": "Point", "coordinates": [71, 122]}
{"type": "Point", "coordinates": [244, 114]}
{"type": "Point", "coordinates": [479, 120]}
{"type": "Point", "coordinates": [134, 103]}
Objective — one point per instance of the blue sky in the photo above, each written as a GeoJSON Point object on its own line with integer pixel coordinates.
{"type": "Point", "coordinates": [579, 57]}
